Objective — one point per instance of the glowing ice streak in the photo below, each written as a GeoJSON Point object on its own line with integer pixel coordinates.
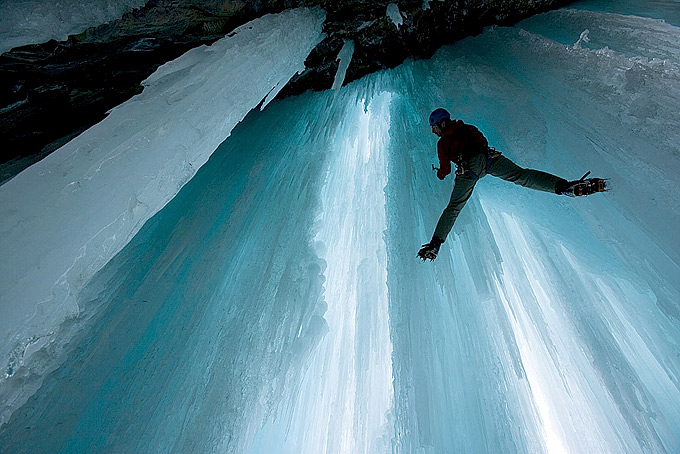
{"type": "Point", "coordinates": [346, 394]}
{"type": "Point", "coordinates": [532, 366]}
{"type": "Point", "coordinates": [562, 380]}
{"type": "Point", "coordinates": [358, 358]}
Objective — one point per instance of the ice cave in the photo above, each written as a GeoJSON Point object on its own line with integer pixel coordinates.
{"type": "Point", "coordinates": [204, 271]}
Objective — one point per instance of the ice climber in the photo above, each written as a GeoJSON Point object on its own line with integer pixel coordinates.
{"type": "Point", "coordinates": [466, 147]}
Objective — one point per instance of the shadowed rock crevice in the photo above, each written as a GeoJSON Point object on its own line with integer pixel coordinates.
{"type": "Point", "coordinates": [53, 91]}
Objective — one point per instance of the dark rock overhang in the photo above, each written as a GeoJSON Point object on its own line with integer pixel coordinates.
{"type": "Point", "coordinates": [51, 92]}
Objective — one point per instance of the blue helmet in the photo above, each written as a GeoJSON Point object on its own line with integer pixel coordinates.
{"type": "Point", "coordinates": [438, 115]}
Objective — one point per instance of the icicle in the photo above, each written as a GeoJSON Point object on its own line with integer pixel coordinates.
{"type": "Point", "coordinates": [345, 57]}
{"type": "Point", "coordinates": [394, 14]}
{"type": "Point", "coordinates": [582, 39]}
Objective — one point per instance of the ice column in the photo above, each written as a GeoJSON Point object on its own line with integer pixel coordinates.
{"type": "Point", "coordinates": [64, 218]}
{"type": "Point", "coordinates": [346, 394]}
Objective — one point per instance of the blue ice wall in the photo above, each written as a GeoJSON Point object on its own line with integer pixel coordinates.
{"type": "Point", "coordinates": [276, 304]}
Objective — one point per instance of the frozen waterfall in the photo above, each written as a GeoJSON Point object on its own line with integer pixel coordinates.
{"type": "Point", "coordinates": [275, 304]}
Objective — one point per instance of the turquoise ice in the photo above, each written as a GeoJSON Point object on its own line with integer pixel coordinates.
{"type": "Point", "coordinates": [276, 303]}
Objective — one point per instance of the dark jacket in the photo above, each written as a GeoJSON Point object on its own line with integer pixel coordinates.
{"type": "Point", "coordinates": [458, 143]}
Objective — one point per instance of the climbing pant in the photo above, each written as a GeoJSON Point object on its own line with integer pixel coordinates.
{"type": "Point", "coordinates": [477, 167]}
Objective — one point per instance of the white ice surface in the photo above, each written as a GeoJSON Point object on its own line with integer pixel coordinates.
{"type": "Point", "coordinates": [394, 14]}
{"type": "Point", "coordinates": [36, 21]}
{"type": "Point", "coordinates": [65, 217]}
{"type": "Point", "coordinates": [344, 400]}
{"type": "Point", "coordinates": [344, 57]}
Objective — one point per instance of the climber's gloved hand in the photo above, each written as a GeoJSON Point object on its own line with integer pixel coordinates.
{"type": "Point", "coordinates": [430, 250]}
{"type": "Point", "coordinates": [584, 186]}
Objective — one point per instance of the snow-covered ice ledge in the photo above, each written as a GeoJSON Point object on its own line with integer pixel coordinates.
{"type": "Point", "coordinates": [64, 218]}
